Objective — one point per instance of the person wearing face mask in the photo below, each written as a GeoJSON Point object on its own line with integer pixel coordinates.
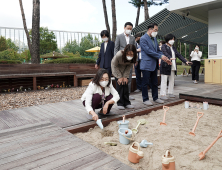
{"type": "Point", "coordinates": [137, 64]}
{"type": "Point", "coordinates": [99, 94]}
{"type": "Point", "coordinates": [150, 63]}
{"type": "Point", "coordinates": [169, 70]}
{"type": "Point", "coordinates": [121, 41]}
{"type": "Point", "coordinates": [121, 64]}
{"type": "Point", "coordinates": [106, 52]}
{"type": "Point", "coordinates": [195, 58]}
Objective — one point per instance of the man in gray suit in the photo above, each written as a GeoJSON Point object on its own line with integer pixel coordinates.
{"type": "Point", "coordinates": [121, 41]}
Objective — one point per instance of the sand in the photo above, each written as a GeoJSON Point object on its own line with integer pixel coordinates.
{"type": "Point", "coordinates": [175, 136]}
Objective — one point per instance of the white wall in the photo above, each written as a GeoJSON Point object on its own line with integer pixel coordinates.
{"type": "Point", "coordinates": [215, 31]}
{"type": "Point", "coordinates": [180, 4]}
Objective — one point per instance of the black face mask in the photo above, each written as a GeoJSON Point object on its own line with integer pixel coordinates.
{"type": "Point", "coordinates": [138, 41]}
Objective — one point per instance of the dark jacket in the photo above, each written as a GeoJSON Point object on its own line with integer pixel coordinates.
{"type": "Point", "coordinates": [164, 67]}
{"type": "Point", "coordinates": [104, 59]}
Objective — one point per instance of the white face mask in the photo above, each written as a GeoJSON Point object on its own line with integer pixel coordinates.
{"type": "Point", "coordinates": [103, 83]}
{"type": "Point", "coordinates": [128, 32]}
{"type": "Point", "coordinates": [171, 42]}
{"type": "Point", "coordinates": [196, 48]}
{"type": "Point", "coordinates": [154, 34]}
{"type": "Point", "coordinates": [105, 39]}
{"type": "Point", "coordinates": [129, 58]}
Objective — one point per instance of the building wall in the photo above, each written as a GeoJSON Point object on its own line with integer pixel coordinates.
{"type": "Point", "coordinates": [215, 32]}
{"type": "Point", "coordinates": [181, 4]}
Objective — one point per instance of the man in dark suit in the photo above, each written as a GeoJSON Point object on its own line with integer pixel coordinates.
{"type": "Point", "coordinates": [149, 63]}
{"type": "Point", "coordinates": [106, 52]}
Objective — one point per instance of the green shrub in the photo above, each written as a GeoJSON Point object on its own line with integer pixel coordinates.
{"type": "Point", "coordinates": [26, 55]}
{"type": "Point", "coordinates": [3, 44]}
{"type": "Point", "coordinates": [71, 55]}
{"type": "Point", "coordinates": [56, 54]}
{"type": "Point", "coordinates": [9, 54]}
{"type": "Point", "coordinates": [70, 60]}
{"type": "Point", "coordinates": [178, 62]}
{"type": "Point", "coordinates": [10, 61]}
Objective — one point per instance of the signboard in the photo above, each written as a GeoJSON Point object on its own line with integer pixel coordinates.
{"type": "Point", "coordinates": [212, 49]}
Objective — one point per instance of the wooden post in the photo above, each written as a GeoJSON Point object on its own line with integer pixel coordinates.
{"type": "Point", "coordinates": [180, 47]}
{"type": "Point", "coordinates": [34, 83]}
{"type": "Point", "coordinates": [75, 81]}
{"type": "Point", "coordinates": [185, 50]}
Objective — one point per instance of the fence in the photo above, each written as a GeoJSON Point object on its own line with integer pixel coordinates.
{"type": "Point", "coordinates": [18, 36]}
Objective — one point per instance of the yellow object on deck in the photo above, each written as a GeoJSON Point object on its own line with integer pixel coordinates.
{"type": "Point", "coordinates": [95, 49]}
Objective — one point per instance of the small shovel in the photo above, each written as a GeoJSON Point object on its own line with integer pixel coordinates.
{"type": "Point", "coordinates": [123, 118]}
{"type": "Point", "coordinates": [165, 110]}
{"type": "Point", "coordinates": [202, 154]}
{"type": "Point", "coordinates": [198, 117]}
{"type": "Point", "coordinates": [142, 122]}
{"type": "Point", "coordinates": [99, 123]}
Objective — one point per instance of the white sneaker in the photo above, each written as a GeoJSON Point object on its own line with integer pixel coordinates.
{"type": "Point", "coordinates": [131, 98]}
{"type": "Point", "coordinates": [148, 103]}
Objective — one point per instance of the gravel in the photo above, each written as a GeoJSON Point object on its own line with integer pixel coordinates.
{"type": "Point", "coordinates": [41, 97]}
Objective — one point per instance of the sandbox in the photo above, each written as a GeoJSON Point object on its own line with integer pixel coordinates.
{"type": "Point", "coordinates": [174, 136]}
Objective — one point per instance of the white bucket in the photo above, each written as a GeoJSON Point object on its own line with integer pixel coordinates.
{"type": "Point", "coordinates": [124, 138]}
{"type": "Point", "coordinates": [124, 124]}
{"type": "Point", "coordinates": [186, 104]}
{"type": "Point", "coordinates": [205, 105]}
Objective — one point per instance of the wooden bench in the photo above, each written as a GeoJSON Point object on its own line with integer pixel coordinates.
{"type": "Point", "coordinates": [34, 77]}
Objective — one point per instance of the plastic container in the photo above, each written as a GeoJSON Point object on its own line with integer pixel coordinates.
{"type": "Point", "coordinates": [124, 124]}
{"type": "Point", "coordinates": [205, 105]}
{"type": "Point", "coordinates": [186, 104]}
{"type": "Point", "coordinates": [168, 161]}
{"type": "Point", "coordinates": [135, 154]}
{"type": "Point", "coordinates": [123, 137]}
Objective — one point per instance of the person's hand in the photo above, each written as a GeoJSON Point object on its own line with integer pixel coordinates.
{"type": "Point", "coordinates": [164, 58]}
{"type": "Point", "coordinates": [105, 108]}
{"type": "Point", "coordinates": [125, 80]}
{"type": "Point", "coordinates": [136, 63]}
{"type": "Point", "coordinates": [120, 81]}
{"type": "Point", "coordinates": [94, 115]}
{"type": "Point", "coordinates": [188, 63]}
{"type": "Point", "coordinates": [139, 50]}
{"type": "Point", "coordinates": [173, 59]}
{"type": "Point", "coordinates": [96, 67]}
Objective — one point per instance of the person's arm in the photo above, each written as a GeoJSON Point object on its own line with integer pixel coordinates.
{"type": "Point", "coordinates": [99, 57]}
{"type": "Point", "coordinates": [115, 66]}
{"type": "Point", "coordinates": [117, 45]}
{"type": "Point", "coordinates": [199, 54]}
{"type": "Point", "coordinates": [126, 72]}
{"type": "Point", "coordinates": [145, 47]}
{"type": "Point", "coordinates": [115, 94]}
{"type": "Point", "coordinates": [191, 55]}
{"type": "Point", "coordinates": [112, 49]}
{"type": "Point", "coordinates": [88, 101]}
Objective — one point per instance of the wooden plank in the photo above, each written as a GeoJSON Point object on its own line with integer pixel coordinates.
{"type": "Point", "coordinates": [84, 127]}
{"type": "Point", "coordinates": [59, 160]}
{"type": "Point", "coordinates": [3, 125]}
{"type": "Point", "coordinates": [38, 154]}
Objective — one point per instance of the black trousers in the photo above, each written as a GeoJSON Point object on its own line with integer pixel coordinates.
{"type": "Point", "coordinates": [123, 91]}
{"type": "Point", "coordinates": [195, 70]}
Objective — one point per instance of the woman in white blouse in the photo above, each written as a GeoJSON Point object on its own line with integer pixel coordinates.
{"type": "Point", "coordinates": [169, 70]}
{"type": "Point", "coordinates": [100, 94]}
{"type": "Point", "coordinates": [195, 58]}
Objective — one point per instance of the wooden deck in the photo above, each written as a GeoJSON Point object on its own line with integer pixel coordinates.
{"type": "Point", "coordinates": [64, 114]}
{"type": "Point", "coordinates": [46, 146]}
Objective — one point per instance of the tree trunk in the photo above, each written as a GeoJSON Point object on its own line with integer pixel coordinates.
{"type": "Point", "coordinates": [106, 17]}
{"type": "Point", "coordinates": [114, 20]}
{"type": "Point", "coordinates": [35, 32]}
{"type": "Point", "coordinates": [138, 15]}
{"type": "Point", "coordinates": [146, 13]}
{"type": "Point", "coordinates": [190, 50]}
{"type": "Point", "coordinates": [25, 27]}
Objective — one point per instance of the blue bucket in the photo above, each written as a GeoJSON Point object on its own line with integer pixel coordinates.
{"type": "Point", "coordinates": [123, 137]}
{"type": "Point", "coordinates": [123, 124]}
